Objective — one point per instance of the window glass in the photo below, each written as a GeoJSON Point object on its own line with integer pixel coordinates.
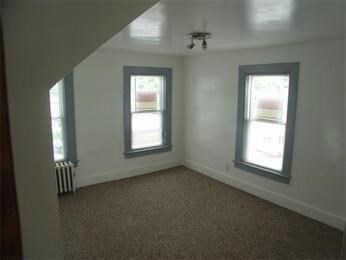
{"type": "Point", "coordinates": [58, 139]}
{"type": "Point", "coordinates": [267, 97]}
{"type": "Point", "coordinates": [146, 109]}
{"type": "Point", "coordinates": [58, 120]}
{"type": "Point", "coordinates": [146, 130]}
{"type": "Point", "coordinates": [265, 144]}
{"type": "Point", "coordinates": [146, 93]}
{"type": "Point", "coordinates": [56, 100]}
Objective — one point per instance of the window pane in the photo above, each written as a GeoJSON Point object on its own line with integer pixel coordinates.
{"type": "Point", "coordinates": [265, 144]}
{"type": "Point", "coordinates": [56, 100]}
{"type": "Point", "coordinates": [58, 122]}
{"type": "Point", "coordinates": [58, 139]}
{"type": "Point", "coordinates": [146, 130]}
{"type": "Point", "coordinates": [267, 97]}
{"type": "Point", "coordinates": [146, 93]}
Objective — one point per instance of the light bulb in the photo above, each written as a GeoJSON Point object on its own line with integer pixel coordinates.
{"type": "Point", "coordinates": [191, 45]}
{"type": "Point", "coordinates": [204, 44]}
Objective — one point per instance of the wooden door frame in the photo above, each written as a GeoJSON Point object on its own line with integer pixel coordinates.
{"type": "Point", "coordinates": [11, 246]}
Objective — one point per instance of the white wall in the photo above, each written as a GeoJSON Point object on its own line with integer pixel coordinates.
{"type": "Point", "coordinates": [316, 188]}
{"type": "Point", "coordinates": [98, 86]}
{"type": "Point", "coordinates": [43, 41]}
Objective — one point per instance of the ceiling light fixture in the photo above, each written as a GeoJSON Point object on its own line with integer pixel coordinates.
{"type": "Point", "coordinates": [204, 44]}
{"type": "Point", "coordinates": [201, 36]}
{"type": "Point", "coordinates": [191, 45]}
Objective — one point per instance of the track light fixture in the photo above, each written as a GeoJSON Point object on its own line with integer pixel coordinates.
{"type": "Point", "coordinates": [204, 44]}
{"type": "Point", "coordinates": [201, 36]}
{"type": "Point", "coordinates": [191, 45]}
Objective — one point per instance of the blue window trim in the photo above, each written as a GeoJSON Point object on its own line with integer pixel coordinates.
{"type": "Point", "coordinates": [70, 119]}
{"type": "Point", "coordinates": [291, 69]}
{"type": "Point", "coordinates": [167, 113]}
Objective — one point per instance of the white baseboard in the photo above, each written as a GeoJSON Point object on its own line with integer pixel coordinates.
{"type": "Point", "coordinates": [276, 198]}
{"type": "Point", "coordinates": [125, 173]}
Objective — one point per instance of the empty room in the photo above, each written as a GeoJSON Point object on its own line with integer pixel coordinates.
{"type": "Point", "coordinates": [173, 129]}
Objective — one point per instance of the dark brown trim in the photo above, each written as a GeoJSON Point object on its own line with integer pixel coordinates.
{"type": "Point", "coordinates": [10, 230]}
{"type": "Point", "coordinates": [343, 246]}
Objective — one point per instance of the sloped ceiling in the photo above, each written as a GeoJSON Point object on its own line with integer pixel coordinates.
{"type": "Point", "coordinates": [234, 24]}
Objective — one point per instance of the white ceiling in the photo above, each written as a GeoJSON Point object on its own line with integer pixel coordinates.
{"type": "Point", "coordinates": [234, 24]}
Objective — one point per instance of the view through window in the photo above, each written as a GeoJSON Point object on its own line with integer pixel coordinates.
{"type": "Point", "coordinates": [57, 110]}
{"type": "Point", "coordinates": [147, 107]}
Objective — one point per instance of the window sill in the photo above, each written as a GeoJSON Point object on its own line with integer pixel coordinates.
{"type": "Point", "coordinates": [74, 162]}
{"type": "Point", "coordinates": [148, 151]}
{"type": "Point", "coordinates": [271, 174]}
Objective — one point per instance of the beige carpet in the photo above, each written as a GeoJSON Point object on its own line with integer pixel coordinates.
{"type": "Point", "coordinates": [178, 213]}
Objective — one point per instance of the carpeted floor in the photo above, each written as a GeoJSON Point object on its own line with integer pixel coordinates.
{"type": "Point", "coordinates": [178, 213]}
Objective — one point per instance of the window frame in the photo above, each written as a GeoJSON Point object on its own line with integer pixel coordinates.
{"type": "Point", "coordinates": [166, 113]}
{"type": "Point", "coordinates": [69, 128]}
{"type": "Point", "coordinates": [291, 69]}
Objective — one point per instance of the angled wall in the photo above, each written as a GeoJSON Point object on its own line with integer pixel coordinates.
{"type": "Point", "coordinates": [43, 41]}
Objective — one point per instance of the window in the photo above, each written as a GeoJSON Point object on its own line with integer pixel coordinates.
{"type": "Point", "coordinates": [62, 116]}
{"type": "Point", "coordinates": [266, 115]}
{"type": "Point", "coordinates": [147, 110]}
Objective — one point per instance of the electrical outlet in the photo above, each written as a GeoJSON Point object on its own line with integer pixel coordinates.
{"type": "Point", "coordinates": [227, 167]}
